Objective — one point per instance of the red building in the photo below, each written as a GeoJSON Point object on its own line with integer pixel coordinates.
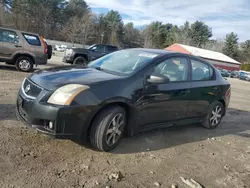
{"type": "Point", "coordinates": [218, 59]}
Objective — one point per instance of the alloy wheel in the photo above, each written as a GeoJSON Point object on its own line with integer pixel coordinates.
{"type": "Point", "coordinates": [24, 65]}
{"type": "Point", "coordinates": [216, 115]}
{"type": "Point", "coordinates": [114, 130]}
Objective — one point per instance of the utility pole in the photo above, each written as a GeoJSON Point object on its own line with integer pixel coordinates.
{"type": "Point", "coordinates": [102, 35]}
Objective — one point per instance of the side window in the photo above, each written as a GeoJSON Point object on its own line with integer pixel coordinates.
{"type": "Point", "coordinates": [32, 39]}
{"type": "Point", "coordinates": [201, 71]}
{"type": "Point", "coordinates": [99, 48]}
{"type": "Point", "coordinates": [176, 69]}
{"type": "Point", "coordinates": [8, 36]}
{"type": "Point", "coordinates": [110, 49]}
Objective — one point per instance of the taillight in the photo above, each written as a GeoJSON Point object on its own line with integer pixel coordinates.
{"type": "Point", "coordinates": [228, 92]}
{"type": "Point", "coordinates": [44, 45]}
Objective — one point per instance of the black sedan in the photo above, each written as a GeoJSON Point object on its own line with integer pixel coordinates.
{"type": "Point", "coordinates": [123, 93]}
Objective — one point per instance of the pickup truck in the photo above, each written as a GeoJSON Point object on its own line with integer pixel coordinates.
{"type": "Point", "coordinates": [81, 56]}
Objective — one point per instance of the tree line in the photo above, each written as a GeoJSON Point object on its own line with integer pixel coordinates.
{"type": "Point", "coordinates": [73, 21]}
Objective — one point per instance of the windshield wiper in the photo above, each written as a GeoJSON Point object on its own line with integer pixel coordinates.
{"type": "Point", "coordinates": [106, 70]}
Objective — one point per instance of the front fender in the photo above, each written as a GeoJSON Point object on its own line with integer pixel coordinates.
{"type": "Point", "coordinates": [84, 54]}
{"type": "Point", "coordinates": [95, 105]}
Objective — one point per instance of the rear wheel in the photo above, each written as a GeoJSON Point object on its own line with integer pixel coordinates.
{"type": "Point", "coordinates": [80, 61]}
{"type": "Point", "coordinates": [24, 64]}
{"type": "Point", "coordinates": [108, 128]}
{"type": "Point", "coordinates": [214, 116]}
{"type": "Point", "coordinates": [49, 51]}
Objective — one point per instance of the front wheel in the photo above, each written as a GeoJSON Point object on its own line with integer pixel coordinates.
{"type": "Point", "coordinates": [24, 64]}
{"type": "Point", "coordinates": [108, 128]}
{"type": "Point", "coordinates": [214, 116]}
{"type": "Point", "coordinates": [80, 61]}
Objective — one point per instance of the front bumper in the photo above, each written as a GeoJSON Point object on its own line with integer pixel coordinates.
{"type": "Point", "coordinates": [68, 59]}
{"type": "Point", "coordinates": [68, 122]}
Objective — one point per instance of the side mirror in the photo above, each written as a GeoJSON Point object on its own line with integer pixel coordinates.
{"type": "Point", "coordinates": [154, 79]}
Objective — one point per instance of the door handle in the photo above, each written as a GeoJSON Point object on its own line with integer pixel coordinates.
{"type": "Point", "coordinates": [18, 46]}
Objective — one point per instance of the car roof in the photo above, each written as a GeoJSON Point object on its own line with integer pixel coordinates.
{"type": "Point", "coordinates": [157, 51]}
{"type": "Point", "coordinates": [10, 29]}
{"type": "Point", "coordinates": [105, 45]}
{"type": "Point", "coordinates": [166, 52]}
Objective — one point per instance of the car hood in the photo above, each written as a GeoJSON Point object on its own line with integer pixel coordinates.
{"type": "Point", "coordinates": [55, 77]}
{"type": "Point", "coordinates": [80, 49]}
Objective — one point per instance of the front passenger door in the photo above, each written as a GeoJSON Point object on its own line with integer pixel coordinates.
{"type": "Point", "coordinates": [166, 102]}
{"type": "Point", "coordinates": [97, 51]}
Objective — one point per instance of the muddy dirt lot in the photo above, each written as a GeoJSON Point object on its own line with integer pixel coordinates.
{"type": "Point", "coordinates": [214, 158]}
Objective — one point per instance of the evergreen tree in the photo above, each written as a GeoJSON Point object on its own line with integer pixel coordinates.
{"type": "Point", "coordinates": [231, 47]}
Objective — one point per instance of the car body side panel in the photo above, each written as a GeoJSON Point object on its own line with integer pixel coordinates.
{"type": "Point", "coordinates": [10, 49]}
{"type": "Point", "coordinates": [203, 93]}
{"type": "Point", "coordinates": [127, 94]}
{"type": "Point", "coordinates": [164, 103]}
{"type": "Point", "coordinates": [95, 55]}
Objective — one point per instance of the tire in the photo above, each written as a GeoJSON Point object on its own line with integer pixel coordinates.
{"type": "Point", "coordinates": [210, 123]}
{"type": "Point", "coordinates": [49, 51]}
{"type": "Point", "coordinates": [24, 64]}
{"type": "Point", "coordinates": [80, 61]}
{"type": "Point", "coordinates": [102, 130]}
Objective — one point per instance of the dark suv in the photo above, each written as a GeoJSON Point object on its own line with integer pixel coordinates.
{"type": "Point", "coordinates": [23, 49]}
{"type": "Point", "coordinates": [83, 56]}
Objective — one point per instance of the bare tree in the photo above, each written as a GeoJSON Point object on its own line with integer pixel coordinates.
{"type": "Point", "coordinates": [80, 29]}
{"type": "Point", "coordinates": [215, 45]}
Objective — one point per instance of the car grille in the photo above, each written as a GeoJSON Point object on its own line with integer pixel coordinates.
{"type": "Point", "coordinates": [30, 89]}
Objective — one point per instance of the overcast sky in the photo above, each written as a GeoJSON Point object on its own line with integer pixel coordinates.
{"type": "Point", "coordinates": [223, 16]}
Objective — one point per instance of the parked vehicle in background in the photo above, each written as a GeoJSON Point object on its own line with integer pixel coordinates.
{"type": "Point", "coordinates": [224, 73]}
{"type": "Point", "coordinates": [244, 75]}
{"type": "Point", "coordinates": [22, 49]}
{"type": "Point", "coordinates": [60, 48]}
{"type": "Point", "coordinates": [234, 74]}
{"type": "Point", "coordinates": [81, 56]}
{"type": "Point", "coordinates": [123, 93]}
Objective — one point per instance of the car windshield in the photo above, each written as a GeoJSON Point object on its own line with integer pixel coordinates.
{"type": "Point", "coordinates": [125, 62]}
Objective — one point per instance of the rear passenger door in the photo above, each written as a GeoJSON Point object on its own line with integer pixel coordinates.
{"type": "Point", "coordinates": [204, 90]}
{"type": "Point", "coordinates": [97, 51]}
{"type": "Point", "coordinates": [34, 45]}
{"type": "Point", "coordinates": [9, 44]}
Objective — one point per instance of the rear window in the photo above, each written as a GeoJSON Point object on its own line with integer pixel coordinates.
{"type": "Point", "coordinates": [32, 39]}
{"type": "Point", "coordinates": [201, 71]}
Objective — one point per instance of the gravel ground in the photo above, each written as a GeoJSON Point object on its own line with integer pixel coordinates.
{"type": "Point", "coordinates": [214, 158]}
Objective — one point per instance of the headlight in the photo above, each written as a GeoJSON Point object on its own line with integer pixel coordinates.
{"type": "Point", "coordinates": [68, 52]}
{"type": "Point", "coordinates": [65, 94]}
